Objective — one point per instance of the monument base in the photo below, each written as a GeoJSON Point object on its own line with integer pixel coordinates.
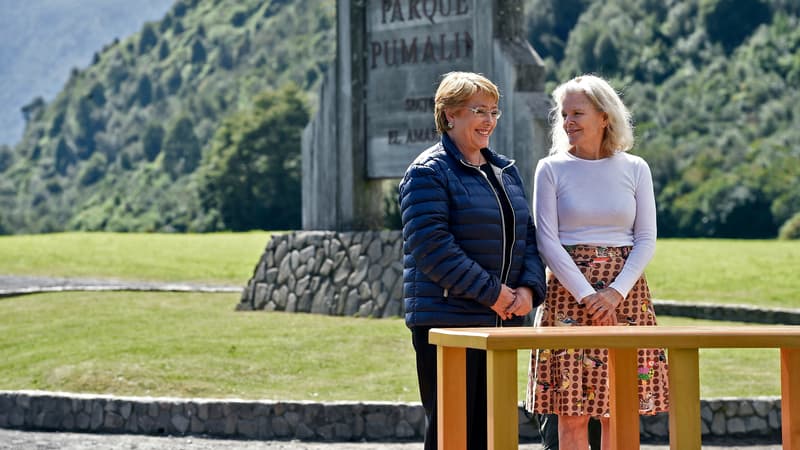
{"type": "Point", "coordinates": [357, 274]}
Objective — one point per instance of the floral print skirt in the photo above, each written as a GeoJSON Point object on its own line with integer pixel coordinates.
{"type": "Point", "coordinates": [572, 382]}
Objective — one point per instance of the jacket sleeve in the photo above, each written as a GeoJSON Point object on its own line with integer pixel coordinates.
{"type": "Point", "coordinates": [533, 267]}
{"type": "Point", "coordinates": [424, 207]}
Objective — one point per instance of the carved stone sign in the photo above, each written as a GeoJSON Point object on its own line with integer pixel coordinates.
{"type": "Point", "coordinates": [411, 43]}
{"type": "Point", "coordinates": [375, 112]}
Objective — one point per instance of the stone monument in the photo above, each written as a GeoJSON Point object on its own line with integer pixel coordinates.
{"type": "Point", "coordinates": [375, 115]}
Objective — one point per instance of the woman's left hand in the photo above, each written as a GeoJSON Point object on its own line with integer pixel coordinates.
{"type": "Point", "coordinates": [602, 306]}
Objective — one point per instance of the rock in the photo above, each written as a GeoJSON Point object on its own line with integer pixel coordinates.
{"type": "Point", "coordinates": [281, 250]}
{"type": "Point", "coordinates": [761, 407]}
{"type": "Point", "coordinates": [736, 426]}
{"type": "Point", "coordinates": [374, 251]}
{"type": "Point", "coordinates": [756, 425]}
{"type": "Point", "coordinates": [341, 274]}
{"type": "Point", "coordinates": [351, 304]}
{"type": "Point", "coordinates": [284, 270]}
{"type": "Point", "coordinates": [718, 424]}
{"type": "Point", "coordinates": [181, 423]}
{"type": "Point", "coordinates": [306, 254]}
{"type": "Point", "coordinates": [365, 310]}
{"type": "Point", "coordinates": [404, 430]}
{"type": "Point", "coordinates": [364, 292]}
{"type": "Point", "coordinates": [354, 252]}
{"type": "Point", "coordinates": [374, 272]}
{"type": "Point", "coordinates": [745, 408]}
{"type": "Point", "coordinates": [321, 302]}
{"type": "Point", "coordinates": [272, 275]}
{"type": "Point", "coordinates": [360, 273]}
{"type": "Point", "coordinates": [326, 267]}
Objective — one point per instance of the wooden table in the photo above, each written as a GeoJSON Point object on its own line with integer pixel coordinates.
{"type": "Point", "coordinates": [682, 344]}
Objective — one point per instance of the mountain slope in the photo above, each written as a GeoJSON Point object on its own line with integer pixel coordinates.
{"type": "Point", "coordinates": [116, 149]}
{"type": "Point", "coordinates": [127, 142]}
{"type": "Point", "coordinates": [714, 88]}
{"type": "Point", "coordinates": [42, 40]}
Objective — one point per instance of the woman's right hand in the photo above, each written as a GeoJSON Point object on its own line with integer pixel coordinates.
{"type": "Point", "coordinates": [601, 307]}
{"type": "Point", "coordinates": [504, 300]}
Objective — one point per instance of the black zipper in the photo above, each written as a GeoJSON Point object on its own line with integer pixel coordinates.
{"type": "Point", "coordinates": [504, 269]}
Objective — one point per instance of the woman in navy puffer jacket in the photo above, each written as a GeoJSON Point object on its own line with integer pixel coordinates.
{"type": "Point", "coordinates": [470, 252]}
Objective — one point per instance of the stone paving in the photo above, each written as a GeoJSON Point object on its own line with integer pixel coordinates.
{"type": "Point", "coordinates": [22, 284]}
{"type": "Point", "coordinates": [27, 440]}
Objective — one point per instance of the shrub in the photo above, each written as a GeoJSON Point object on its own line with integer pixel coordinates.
{"type": "Point", "coordinates": [181, 148]}
{"type": "Point", "coordinates": [791, 228]}
{"type": "Point", "coordinates": [94, 170]}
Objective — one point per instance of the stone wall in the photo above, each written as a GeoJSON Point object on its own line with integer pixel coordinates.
{"type": "Point", "coordinates": [326, 272]}
{"type": "Point", "coordinates": [360, 274]}
{"type": "Point", "coordinates": [757, 419]}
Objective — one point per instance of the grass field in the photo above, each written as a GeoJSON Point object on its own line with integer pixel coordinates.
{"type": "Point", "coordinates": [752, 272]}
{"type": "Point", "coordinates": [196, 345]}
{"type": "Point", "coordinates": [211, 258]}
{"type": "Point", "coordinates": [749, 272]}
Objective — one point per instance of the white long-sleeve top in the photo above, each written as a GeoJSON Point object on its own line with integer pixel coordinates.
{"type": "Point", "coordinates": [606, 202]}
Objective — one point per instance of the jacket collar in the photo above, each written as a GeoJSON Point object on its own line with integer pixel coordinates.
{"type": "Point", "coordinates": [491, 156]}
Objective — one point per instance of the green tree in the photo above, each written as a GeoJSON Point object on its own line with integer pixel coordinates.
{"type": "Point", "coordinates": [198, 52]}
{"type": "Point", "coordinates": [181, 149]}
{"type": "Point", "coordinates": [144, 91]}
{"type": "Point", "coordinates": [6, 157]}
{"type": "Point", "coordinates": [94, 170]}
{"type": "Point", "coordinates": [550, 23]}
{"type": "Point", "coordinates": [238, 18]}
{"type": "Point", "coordinates": [151, 140]}
{"type": "Point", "coordinates": [729, 22]}
{"type": "Point", "coordinates": [64, 157]}
{"type": "Point", "coordinates": [34, 109]}
{"type": "Point", "coordinates": [174, 80]}
{"type": "Point", "coordinates": [163, 51]}
{"type": "Point", "coordinates": [251, 176]}
{"type": "Point", "coordinates": [147, 38]}
{"type": "Point", "coordinates": [97, 94]}
{"type": "Point", "coordinates": [87, 127]}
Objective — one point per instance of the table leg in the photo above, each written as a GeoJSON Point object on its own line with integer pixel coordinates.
{"type": "Point", "coordinates": [790, 398]}
{"type": "Point", "coordinates": [501, 391]}
{"type": "Point", "coordinates": [451, 397]}
{"type": "Point", "coordinates": [684, 399]}
{"type": "Point", "coordinates": [624, 398]}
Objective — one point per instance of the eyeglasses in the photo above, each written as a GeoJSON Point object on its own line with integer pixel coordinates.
{"type": "Point", "coordinates": [493, 114]}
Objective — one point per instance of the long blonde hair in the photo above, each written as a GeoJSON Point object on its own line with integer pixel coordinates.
{"type": "Point", "coordinates": [618, 135]}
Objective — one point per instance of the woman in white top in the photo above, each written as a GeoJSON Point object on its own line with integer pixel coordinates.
{"type": "Point", "coordinates": [596, 231]}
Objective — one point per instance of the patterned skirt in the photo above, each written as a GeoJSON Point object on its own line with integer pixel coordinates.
{"type": "Point", "coordinates": [572, 382]}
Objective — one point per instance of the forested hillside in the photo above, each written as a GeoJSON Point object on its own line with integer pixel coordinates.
{"type": "Point", "coordinates": [129, 143]}
{"type": "Point", "coordinates": [194, 122]}
{"type": "Point", "coordinates": [41, 40]}
{"type": "Point", "coordinates": [714, 87]}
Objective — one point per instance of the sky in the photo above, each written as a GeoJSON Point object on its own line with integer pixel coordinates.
{"type": "Point", "coordinates": [41, 41]}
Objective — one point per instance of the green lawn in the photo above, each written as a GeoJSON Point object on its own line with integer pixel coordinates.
{"type": "Point", "coordinates": [210, 258]}
{"type": "Point", "coordinates": [196, 345]}
{"type": "Point", "coordinates": [751, 272]}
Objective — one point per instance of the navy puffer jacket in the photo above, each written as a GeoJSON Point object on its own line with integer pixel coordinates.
{"type": "Point", "coordinates": [453, 240]}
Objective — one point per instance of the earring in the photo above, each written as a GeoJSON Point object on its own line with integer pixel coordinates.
{"type": "Point", "coordinates": [450, 124]}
